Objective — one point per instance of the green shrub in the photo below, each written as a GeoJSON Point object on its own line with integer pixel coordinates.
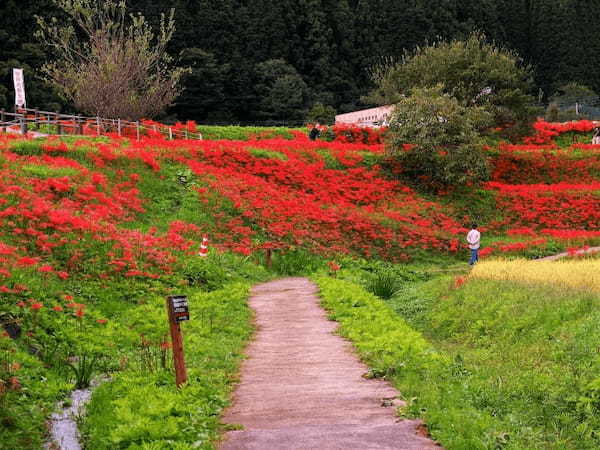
{"type": "Point", "coordinates": [27, 147]}
{"type": "Point", "coordinates": [383, 283]}
{"type": "Point", "coordinates": [296, 262]}
{"type": "Point", "coordinates": [474, 71]}
{"type": "Point", "coordinates": [267, 154]}
{"type": "Point", "coordinates": [446, 148]}
{"type": "Point", "coordinates": [218, 269]}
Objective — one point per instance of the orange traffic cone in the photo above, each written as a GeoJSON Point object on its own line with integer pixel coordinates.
{"type": "Point", "coordinates": [204, 247]}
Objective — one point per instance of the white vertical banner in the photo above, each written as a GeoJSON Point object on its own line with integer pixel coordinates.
{"type": "Point", "coordinates": [19, 88]}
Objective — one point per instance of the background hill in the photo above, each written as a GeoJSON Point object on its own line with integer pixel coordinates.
{"type": "Point", "coordinates": [245, 55]}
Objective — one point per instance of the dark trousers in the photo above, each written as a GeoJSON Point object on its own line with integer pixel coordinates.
{"type": "Point", "coordinates": [474, 256]}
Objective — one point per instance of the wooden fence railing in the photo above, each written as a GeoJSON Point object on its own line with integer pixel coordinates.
{"type": "Point", "coordinates": [46, 122]}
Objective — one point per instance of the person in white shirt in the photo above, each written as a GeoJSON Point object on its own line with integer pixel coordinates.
{"type": "Point", "coordinates": [473, 239]}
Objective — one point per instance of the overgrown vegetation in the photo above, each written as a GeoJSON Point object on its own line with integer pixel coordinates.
{"type": "Point", "coordinates": [96, 232]}
{"type": "Point", "coordinates": [498, 364]}
{"type": "Point", "coordinates": [108, 61]}
{"type": "Point", "coordinates": [474, 72]}
{"type": "Point", "coordinates": [434, 140]}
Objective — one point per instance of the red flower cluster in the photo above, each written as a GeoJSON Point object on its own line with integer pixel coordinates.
{"type": "Point", "coordinates": [72, 220]}
{"type": "Point", "coordinates": [294, 199]}
{"type": "Point", "coordinates": [349, 133]}
{"type": "Point", "coordinates": [547, 131]}
{"type": "Point", "coordinates": [556, 206]}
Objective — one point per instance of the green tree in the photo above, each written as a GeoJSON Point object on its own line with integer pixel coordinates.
{"type": "Point", "coordinates": [476, 73]}
{"type": "Point", "coordinates": [109, 62]}
{"type": "Point", "coordinates": [282, 91]}
{"type": "Point", "coordinates": [445, 149]}
{"type": "Point", "coordinates": [573, 92]}
{"type": "Point", "coordinates": [204, 94]}
{"type": "Point", "coordinates": [19, 49]}
{"type": "Point", "coordinates": [324, 114]}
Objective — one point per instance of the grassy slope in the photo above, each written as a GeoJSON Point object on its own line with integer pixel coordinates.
{"type": "Point", "coordinates": [529, 357]}
{"type": "Point", "coordinates": [119, 413]}
{"type": "Point", "coordinates": [134, 310]}
{"type": "Point", "coordinates": [508, 365]}
{"type": "Point", "coordinates": [468, 401]}
{"type": "Point", "coordinates": [214, 132]}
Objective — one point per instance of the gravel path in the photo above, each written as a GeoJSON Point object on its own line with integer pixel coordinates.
{"type": "Point", "coordinates": [587, 251]}
{"type": "Point", "coordinates": [302, 386]}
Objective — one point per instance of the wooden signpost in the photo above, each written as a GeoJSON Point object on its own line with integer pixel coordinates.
{"type": "Point", "coordinates": [177, 306]}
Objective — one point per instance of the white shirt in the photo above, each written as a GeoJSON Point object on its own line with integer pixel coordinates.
{"type": "Point", "coordinates": [473, 239]}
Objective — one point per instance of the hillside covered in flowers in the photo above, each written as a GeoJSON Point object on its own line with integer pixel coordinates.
{"type": "Point", "coordinates": [95, 231]}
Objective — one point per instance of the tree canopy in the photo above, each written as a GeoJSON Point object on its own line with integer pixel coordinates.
{"type": "Point", "coordinates": [435, 140]}
{"type": "Point", "coordinates": [109, 62]}
{"type": "Point", "coordinates": [473, 71]}
{"type": "Point", "coordinates": [331, 45]}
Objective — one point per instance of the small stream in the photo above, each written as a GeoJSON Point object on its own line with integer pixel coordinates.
{"type": "Point", "coordinates": [64, 434]}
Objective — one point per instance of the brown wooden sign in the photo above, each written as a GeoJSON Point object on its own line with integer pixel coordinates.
{"type": "Point", "coordinates": [177, 307]}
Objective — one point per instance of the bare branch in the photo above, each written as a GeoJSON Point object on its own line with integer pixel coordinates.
{"type": "Point", "coordinates": [109, 62]}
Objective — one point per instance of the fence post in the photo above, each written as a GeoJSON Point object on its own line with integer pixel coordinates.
{"type": "Point", "coordinates": [119, 126]}
{"type": "Point", "coordinates": [268, 261]}
{"type": "Point", "coordinates": [176, 304]}
{"type": "Point", "coordinates": [137, 129]}
{"type": "Point", "coordinates": [2, 119]}
{"type": "Point", "coordinates": [59, 124]}
{"type": "Point", "coordinates": [170, 133]}
{"type": "Point", "coordinates": [23, 124]}
{"type": "Point", "coordinates": [577, 108]}
{"type": "Point", "coordinates": [98, 125]}
{"type": "Point", "coordinates": [78, 125]}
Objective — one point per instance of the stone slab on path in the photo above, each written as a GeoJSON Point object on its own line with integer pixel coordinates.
{"type": "Point", "coordinates": [302, 386]}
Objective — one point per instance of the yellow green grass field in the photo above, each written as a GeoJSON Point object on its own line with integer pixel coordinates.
{"type": "Point", "coordinates": [581, 274]}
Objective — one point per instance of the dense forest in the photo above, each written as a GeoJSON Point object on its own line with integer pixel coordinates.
{"type": "Point", "coordinates": [266, 60]}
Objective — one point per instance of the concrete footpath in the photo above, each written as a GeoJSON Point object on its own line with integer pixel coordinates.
{"type": "Point", "coordinates": [302, 386]}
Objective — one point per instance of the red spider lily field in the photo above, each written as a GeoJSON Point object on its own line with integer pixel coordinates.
{"type": "Point", "coordinates": [96, 231]}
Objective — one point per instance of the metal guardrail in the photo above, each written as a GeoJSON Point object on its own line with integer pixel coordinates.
{"type": "Point", "coordinates": [67, 124]}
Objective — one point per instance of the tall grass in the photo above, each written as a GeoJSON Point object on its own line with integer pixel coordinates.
{"type": "Point", "coordinates": [579, 274]}
{"type": "Point", "coordinates": [516, 364]}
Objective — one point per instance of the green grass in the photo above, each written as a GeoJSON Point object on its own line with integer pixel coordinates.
{"type": "Point", "coordinates": [140, 408]}
{"type": "Point", "coordinates": [267, 154]}
{"type": "Point", "coordinates": [240, 133]}
{"type": "Point", "coordinates": [23, 412]}
{"type": "Point", "coordinates": [488, 365]}
{"type": "Point", "coordinates": [41, 171]}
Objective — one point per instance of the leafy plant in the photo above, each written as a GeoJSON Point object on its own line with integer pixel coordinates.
{"type": "Point", "coordinates": [478, 74]}
{"type": "Point", "coordinates": [434, 140]}
{"type": "Point", "coordinates": [383, 283]}
{"type": "Point", "coordinates": [296, 262]}
{"type": "Point", "coordinates": [83, 367]}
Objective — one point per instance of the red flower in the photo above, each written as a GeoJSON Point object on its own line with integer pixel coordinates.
{"type": "Point", "coordinates": [333, 266]}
